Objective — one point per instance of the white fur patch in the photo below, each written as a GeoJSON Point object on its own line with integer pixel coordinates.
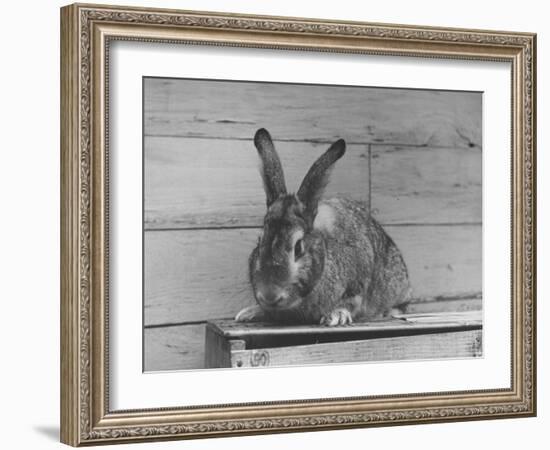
{"type": "Point", "coordinates": [296, 234]}
{"type": "Point", "coordinates": [325, 218]}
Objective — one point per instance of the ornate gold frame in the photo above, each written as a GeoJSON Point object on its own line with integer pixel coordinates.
{"type": "Point", "coordinates": [86, 31]}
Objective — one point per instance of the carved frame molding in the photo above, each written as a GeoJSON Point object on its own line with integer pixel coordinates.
{"type": "Point", "coordinates": [86, 31]}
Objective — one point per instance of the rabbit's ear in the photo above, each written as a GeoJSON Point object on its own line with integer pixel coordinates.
{"type": "Point", "coordinates": [271, 169]}
{"type": "Point", "coordinates": [312, 188]}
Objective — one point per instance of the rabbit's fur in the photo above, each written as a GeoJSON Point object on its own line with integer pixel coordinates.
{"type": "Point", "coordinates": [320, 261]}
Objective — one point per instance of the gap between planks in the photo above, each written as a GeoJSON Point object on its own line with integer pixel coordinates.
{"type": "Point", "coordinates": [305, 141]}
{"type": "Point", "coordinates": [259, 227]}
{"type": "Point", "coordinates": [418, 307]}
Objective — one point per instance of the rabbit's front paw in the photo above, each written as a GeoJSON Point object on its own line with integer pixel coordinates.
{"type": "Point", "coordinates": [338, 316]}
{"type": "Point", "coordinates": [250, 314]}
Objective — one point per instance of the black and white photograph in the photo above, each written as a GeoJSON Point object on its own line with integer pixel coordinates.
{"type": "Point", "coordinates": [297, 224]}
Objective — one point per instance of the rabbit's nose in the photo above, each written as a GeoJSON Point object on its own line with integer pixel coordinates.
{"type": "Point", "coordinates": [270, 297]}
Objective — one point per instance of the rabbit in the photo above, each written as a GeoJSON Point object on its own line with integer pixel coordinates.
{"type": "Point", "coordinates": [318, 261]}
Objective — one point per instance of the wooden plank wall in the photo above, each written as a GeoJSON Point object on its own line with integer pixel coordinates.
{"type": "Point", "coordinates": [204, 201]}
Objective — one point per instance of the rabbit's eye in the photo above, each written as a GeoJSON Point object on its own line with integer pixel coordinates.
{"type": "Point", "coordinates": [299, 249]}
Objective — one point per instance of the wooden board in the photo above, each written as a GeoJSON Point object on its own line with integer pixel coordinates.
{"type": "Point", "coordinates": [174, 348]}
{"type": "Point", "coordinates": [446, 305]}
{"type": "Point", "coordinates": [426, 185]}
{"type": "Point", "coordinates": [461, 344]}
{"type": "Point", "coordinates": [195, 275]}
{"type": "Point", "coordinates": [442, 260]}
{"type": "Point", "coordinates": [410, 336]}
{"type": "Point", "coordinates": [213, 183]}
{"type": "Point", "coordinates": [401, 324]}
{"type": "Point", "coordinates": [197, 108]}
{"type": "Point", "coordinates": [182, 347]}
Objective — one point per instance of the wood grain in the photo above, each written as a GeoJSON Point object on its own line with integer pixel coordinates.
{"type": "Point", "coordinates": [197, 108]}
{"type": "Point", "coordinates": [195, 275]}
{"type": "Point", "coordinates": [399, 324]}
{"type": "Point", "coordinates": [462, 344]}
{"type": "Point", "coordinates": [211, 183]}
{"type": "Point", "coordinates": [182, 347]}
{"type": "Point", "coordinates": [174, 348]}
{"type": "Point", "coordinates": [215, 183]}
{"type": "Point", "coordinates": [427, 185]}
{"type": "Point", "coordinates": [444, 305]}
